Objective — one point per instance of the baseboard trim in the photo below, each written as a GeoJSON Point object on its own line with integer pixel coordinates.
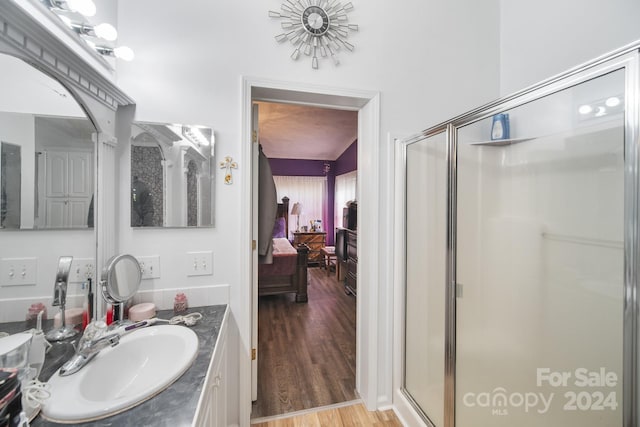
{"type": "Point", "coordinates": [306, 411]}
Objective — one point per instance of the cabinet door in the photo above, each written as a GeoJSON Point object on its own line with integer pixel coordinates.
{"type": "Point", "coordinates": [212, 411]}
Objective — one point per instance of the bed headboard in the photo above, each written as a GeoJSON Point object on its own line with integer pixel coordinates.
{"type": "Point", "coordinates": [283, 212]}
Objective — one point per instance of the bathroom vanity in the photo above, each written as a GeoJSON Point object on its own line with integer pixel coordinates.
{"type": "Point", "coordinates": [197, 398]}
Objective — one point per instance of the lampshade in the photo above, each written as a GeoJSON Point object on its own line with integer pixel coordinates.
{"type": "Point", "coordinates": [296, 209]}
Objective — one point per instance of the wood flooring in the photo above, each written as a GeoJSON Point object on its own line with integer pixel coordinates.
{"type": "Point", "coordinates": [352, 415]}
{"type": "Point", "coordinates": [306, 351]}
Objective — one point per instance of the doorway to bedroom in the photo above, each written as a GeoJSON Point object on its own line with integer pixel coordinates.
{"type": "Point", "coordinates": [307, 350]}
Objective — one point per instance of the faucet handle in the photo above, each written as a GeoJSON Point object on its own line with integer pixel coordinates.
{"type": "Point", "coordinates": [94, 330]}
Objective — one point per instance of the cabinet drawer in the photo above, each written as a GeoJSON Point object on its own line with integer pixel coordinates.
{"type": "Point", "coordinates": [351, 283]}
{"type": "Point", "coordinates": [352, 267]}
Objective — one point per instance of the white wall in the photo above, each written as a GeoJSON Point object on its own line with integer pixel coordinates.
{"type": "Point", "coordinates": [539, 39]}
{"type": "Point", "coordinates": [190, 57]}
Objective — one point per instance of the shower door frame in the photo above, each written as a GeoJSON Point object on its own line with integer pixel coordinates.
{"type": "Point", "coordinates": [627, 58]}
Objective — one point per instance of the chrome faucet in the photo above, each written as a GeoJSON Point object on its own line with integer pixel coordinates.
{"type": "Point", "coordinates": [60, 299]}
{"type": "Point", "coordinates": [98, 336]}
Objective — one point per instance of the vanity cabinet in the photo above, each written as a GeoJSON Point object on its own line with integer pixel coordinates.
{"type": "Point", "coordinates": [212, 407]}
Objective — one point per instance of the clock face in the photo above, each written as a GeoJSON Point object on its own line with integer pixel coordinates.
{"type": "Point", "coordinates": [315, 20]}
{"type": "Point", "coordinates": [315, 28]}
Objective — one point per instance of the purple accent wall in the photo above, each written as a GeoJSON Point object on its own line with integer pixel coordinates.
{"type": "Point", "coordinates": [347, 162]}
{"type": "Point", "coordinates": [297, 167]}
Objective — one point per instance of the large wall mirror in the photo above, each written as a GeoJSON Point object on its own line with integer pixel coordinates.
{"type": "Point", "coordinates": [172, 175]}
{"type": "Point", "coordinates": [46, 152]}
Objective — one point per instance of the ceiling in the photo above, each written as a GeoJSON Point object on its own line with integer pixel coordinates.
{"type": "Point", "coordinates": [291, 131]}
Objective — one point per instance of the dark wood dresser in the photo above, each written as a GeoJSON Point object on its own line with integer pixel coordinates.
{"type": "Point", "coordinates": [315, 240]}
{"type": "Point", "coordinates": [351, 278]}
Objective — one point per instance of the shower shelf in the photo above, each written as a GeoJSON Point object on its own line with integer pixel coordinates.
{"type": "Point", "coordinates": [501, 142]}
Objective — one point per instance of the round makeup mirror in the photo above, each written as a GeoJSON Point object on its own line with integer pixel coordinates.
{"type": "Point", "coordinates": [120, 279]}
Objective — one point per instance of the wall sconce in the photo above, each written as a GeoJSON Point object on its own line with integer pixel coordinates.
{"type": "Point", "coordinates": [122, 52]}
{"type": "Point", "coordinates": [103, 31]}
{"type": "Point", "coordinates": [83, 7]}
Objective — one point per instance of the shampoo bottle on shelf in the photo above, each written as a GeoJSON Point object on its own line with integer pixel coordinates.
{"type": "Point", "coordinates": [500, 127]}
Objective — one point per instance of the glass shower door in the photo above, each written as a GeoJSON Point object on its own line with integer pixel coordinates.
{"type": "Point", "coordinates": [540, 261]}
{"type": "Point", "coordinates": [426, 254]}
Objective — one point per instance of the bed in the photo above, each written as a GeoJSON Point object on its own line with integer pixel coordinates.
{"type": "Point", "coordinates": [288, 272]}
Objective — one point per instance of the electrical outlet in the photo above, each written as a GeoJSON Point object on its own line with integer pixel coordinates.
{"type": "Point", "coordinates": [150, 266]}
{"type": "Point", "coordinates": [18, 271]}
{"type": "Point", "coordinates": [200, 263]}
{"type": "Point", "coordinates": [81, 270]}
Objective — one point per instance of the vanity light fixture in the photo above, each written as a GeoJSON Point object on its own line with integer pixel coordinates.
{"type": "Point", "coordinates": [121, 52]}
{"type": "Point", "coordinates": [83, 7]}
{"type": "Point", "coordinates": [104, 31]}
{"type": "Point", "coordinates": [195, 135]}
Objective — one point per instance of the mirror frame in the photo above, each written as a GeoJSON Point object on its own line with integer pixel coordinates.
{"type": "Point", "coordinates": [108, 279]}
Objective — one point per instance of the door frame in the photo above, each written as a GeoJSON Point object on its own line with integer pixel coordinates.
{"type": "Point", "coordinates": [367, 103]}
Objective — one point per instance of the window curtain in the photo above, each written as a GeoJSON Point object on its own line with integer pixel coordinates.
{"type": "Point", "coordinates": [311, 191]}
{"type": "Point", "coordinates": [345, 189]}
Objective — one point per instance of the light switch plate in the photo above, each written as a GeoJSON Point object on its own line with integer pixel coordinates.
{"type": "Point", "coordinates": [81, 270]}
{"type": "Point", "coordinates": [18, 271]}
{"type": "Point", "coordinates": [200, 263]}
{"type": "Point", "coordinates": [150, 266]}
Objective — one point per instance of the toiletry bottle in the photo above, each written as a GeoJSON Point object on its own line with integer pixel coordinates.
{"type": "Point", "coordinates": [109, 316]}
{"type": "Point", "coordinates": [500, 127]}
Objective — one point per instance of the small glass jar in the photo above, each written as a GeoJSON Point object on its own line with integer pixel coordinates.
{"type": "Point", "coordinates": [180, 304]}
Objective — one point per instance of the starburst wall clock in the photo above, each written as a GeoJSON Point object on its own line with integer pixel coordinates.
{"type": "Point", "coordinates": [315, 28]}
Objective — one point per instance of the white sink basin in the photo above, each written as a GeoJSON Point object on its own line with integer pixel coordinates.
{"type": "Point", "coordinates": [144, 363]}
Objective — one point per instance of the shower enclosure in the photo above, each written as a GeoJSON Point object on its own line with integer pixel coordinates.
{"type": "Point", "coordinates": [521, 251]}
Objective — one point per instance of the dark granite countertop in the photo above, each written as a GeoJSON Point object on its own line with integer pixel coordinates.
{"type": "Point", "coordinates": [176, 405]}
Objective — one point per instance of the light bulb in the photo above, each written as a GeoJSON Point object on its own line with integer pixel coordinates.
{"type": "Point", "coordinates": [585, 109]}
{"type": "Point", "coordinates": [106, 31]}
{"type": "Point", "coordinates": [83, 7]}
{"type": "Point", "coordinates": [123, 52]}
{"type": "Point", "coordinates": [614, 101]}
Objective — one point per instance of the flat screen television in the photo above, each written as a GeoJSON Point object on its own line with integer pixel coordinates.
{"type": "Point", "coordinates": [350, 216]}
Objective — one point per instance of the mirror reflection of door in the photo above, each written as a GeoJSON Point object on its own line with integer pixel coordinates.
{"type": "Point", "coordinates": [54, 139]}
{"type": "Point", "coordinates": [192, 194]}
{"type": "Point", "coordinates": [10, 185]}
